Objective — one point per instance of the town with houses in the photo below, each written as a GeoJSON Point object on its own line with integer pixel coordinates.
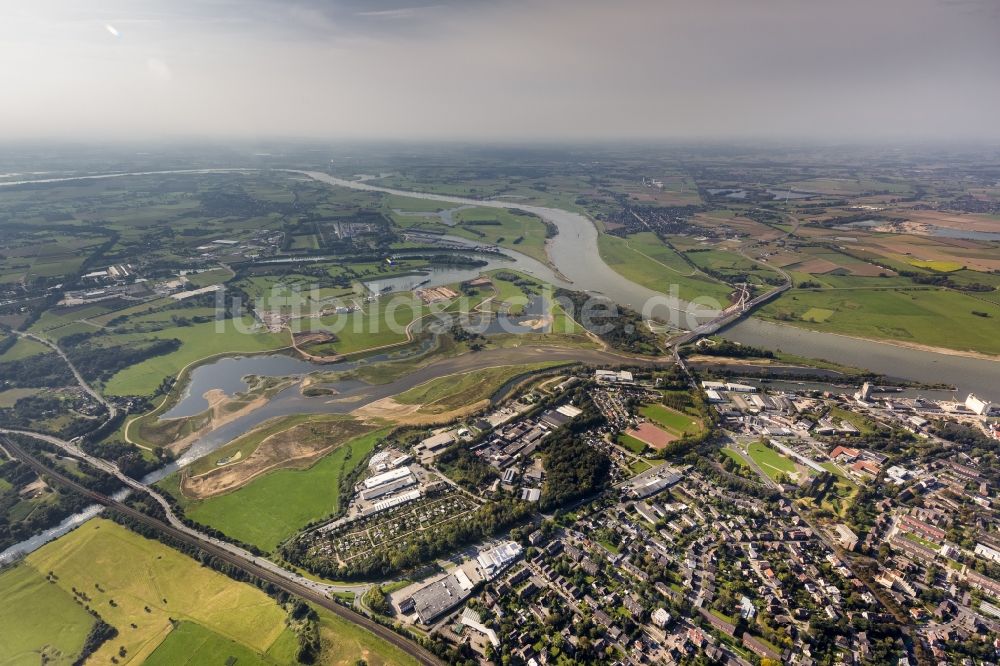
{"type": "Point", "coordinates": [837, 525]}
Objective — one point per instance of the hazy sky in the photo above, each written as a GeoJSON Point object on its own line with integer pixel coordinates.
{"type": "Point", "coordinates": [578, 69]}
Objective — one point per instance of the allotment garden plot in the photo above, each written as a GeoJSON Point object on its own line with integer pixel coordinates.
{"type": "Point", "coordinates": [393, 530]}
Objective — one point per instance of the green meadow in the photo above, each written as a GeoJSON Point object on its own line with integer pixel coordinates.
{"type": "Point", "coordinates": [275, 506]}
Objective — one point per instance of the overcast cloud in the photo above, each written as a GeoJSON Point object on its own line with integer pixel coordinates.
{"type": "Point", "coordinates": [575, 69]}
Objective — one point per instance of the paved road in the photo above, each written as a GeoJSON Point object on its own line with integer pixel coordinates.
{"type": "Point", "coordinates": [287, 581]}
{"type": "Point", "coordinates": [112, 410]}
{"type": "Point", "coordinates": [176, 523]}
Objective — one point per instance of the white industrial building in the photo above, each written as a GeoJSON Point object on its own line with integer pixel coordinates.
{"type": "Point", "coordinates": [988, 552]}
{"type": "Point", "coordinates": [980, 407]}
{"type": "Point", "coordinates": [386, 477]}
{"type": "Point", "coordinates": [614, 376]}
{"type": "Point", "coordinates": [495, 560]}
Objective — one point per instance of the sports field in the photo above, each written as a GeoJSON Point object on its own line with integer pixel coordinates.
{"type": "Point", "coordinates": [769, 460]}
{"type": "Point", "coordinates": [677, 423]}
{"type": "Point", "coordinates": [631, 443]}
{"type": "Point", "coordinates": [653, 435]}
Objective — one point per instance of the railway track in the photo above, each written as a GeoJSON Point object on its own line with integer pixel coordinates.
{"type": "Point", "coordinates": [419, 653]}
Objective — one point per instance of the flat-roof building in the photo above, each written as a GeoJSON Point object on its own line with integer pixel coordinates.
{"type": "Point", "coordinates": [387, 477]}
{"type": "Point", "coordinates": [388, 488]}
{"type": "Point", "coordinates": [434, 600]}
{"type": "Point", "coordinates": [495, 560]}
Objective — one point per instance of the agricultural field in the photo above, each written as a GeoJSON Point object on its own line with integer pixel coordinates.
{"type": "Point", "coordinates": [131, 580]}
{"type": "Point", "coordinates": [732, 267]}
{"type": "Point", "coordinates": [191, 643]}
{"type": "Point", "coordinates": [167, 607]}
{"type": "Point", "coordinates": [41, 622]}
{"type": "Point", "coordinates": [936, 266]}
{"type": "Point", "coordinates": [913, 315]}
{"type": "Point", "coordinates": [849, 186]}
{"type": "Point", "coordinates": [644, 259]}
{"type": "Point", "coordinates": [548, 188]}
{"type": "Point", "coordinates": [275, 506]}
{"type": "Point", "coordinates": [523, 232]}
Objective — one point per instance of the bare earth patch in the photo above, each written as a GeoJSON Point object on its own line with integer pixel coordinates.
{"type": "Point", "coordinates": [297, 447]}
{"type": "Point", "coordinates": [390, 410]}
{"type": "Point", "coordinates": [653, 435]}
{"type": "Point", "coordinates": [816, 266]}
{"type": "Point", "coordinates": [217, 403]}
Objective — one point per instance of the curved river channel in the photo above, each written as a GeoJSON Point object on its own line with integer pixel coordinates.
{"type": "Point", "coordinates": [574, 254]}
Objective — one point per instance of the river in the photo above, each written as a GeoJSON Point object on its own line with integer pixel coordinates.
{"type": "Point", "coordinates": [574, 253]}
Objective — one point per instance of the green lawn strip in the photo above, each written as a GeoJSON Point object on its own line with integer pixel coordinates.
{"type": "Point", "coordinates": [631, 443]}
{"type": "Point", "coordinates": [275, 506]}
{"type": "Point", "coordinates": [638, 467]}
{"type": "Point", "coordinates": [769, 460]}
{"type": "Point", "coordinates": [833, 469]}
{"type": "Point", "coordinates": [736, 456]}
{"type": "Point", "coordinates": [923, 542]}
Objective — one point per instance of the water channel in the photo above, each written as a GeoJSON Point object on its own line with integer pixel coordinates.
{"type": "Point", "coordinates": [573, 251]}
